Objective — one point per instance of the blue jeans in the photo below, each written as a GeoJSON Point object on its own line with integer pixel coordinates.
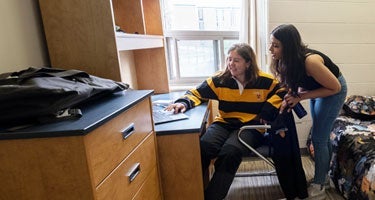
{"type": "Point", "coordinates": [324, 111]}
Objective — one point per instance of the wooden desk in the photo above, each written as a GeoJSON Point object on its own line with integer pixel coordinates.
{"type": "Point", "coordinates": [109, 153]}
{"type": "Point", "coordinates": [179, 153]}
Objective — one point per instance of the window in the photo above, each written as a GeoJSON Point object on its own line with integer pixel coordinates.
{"type": "Point", "coordinates": [198, 34]}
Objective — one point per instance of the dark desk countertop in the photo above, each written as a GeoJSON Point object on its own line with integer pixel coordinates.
{"type": "Point", "coordinates": [194, 124]}
{"type": "Point", "coordinates": [94, 114]}
{"type": "Point", "coordinates": [104, 109]}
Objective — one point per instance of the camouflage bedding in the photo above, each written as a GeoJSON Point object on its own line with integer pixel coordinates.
{"type": "Point", "coordinates": [353, 140]}
{"type": "Point", "coordinates": [353, 164]}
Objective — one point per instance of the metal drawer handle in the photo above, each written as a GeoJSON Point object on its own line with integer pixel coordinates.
{"type": "Point", "coordinates": [128, 131]}
{"type": "Point", "coordinates": [133, 172]}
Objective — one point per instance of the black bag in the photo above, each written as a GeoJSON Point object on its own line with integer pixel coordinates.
{"type": "Point", "coordinates": [39, 94]}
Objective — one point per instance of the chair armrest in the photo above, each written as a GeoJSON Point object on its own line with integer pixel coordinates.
{"type": "Point", "coordinates": [260, 126]}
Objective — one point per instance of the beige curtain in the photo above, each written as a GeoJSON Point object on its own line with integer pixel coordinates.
{"type": "Point", "coordinates": [253, 29]}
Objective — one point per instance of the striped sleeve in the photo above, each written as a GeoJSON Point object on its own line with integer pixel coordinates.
{"type": "Point", "coordinates": [201, 93]}
{"type": "Point", "coordinates": [271, 107]}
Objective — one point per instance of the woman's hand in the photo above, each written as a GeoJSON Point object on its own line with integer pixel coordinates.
{"type": "Point", "coordinates": [284, 105]}
{"type": "Point", "coordinates": [176, 107]}
{"type": "Point", "coordinates": [289, 102]}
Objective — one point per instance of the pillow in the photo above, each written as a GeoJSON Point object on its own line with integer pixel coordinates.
{"type": "Point", "coordinates": [360, 107]}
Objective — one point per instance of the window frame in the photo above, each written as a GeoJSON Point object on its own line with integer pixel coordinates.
{"type": "Point", "coordinates": [171, 38]}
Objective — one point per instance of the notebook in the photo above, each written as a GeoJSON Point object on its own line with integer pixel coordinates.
{"type": "Point", "coordinates": [161, 116]}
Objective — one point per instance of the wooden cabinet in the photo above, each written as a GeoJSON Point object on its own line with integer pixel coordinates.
{"type": "Point", "coordinates": [115, 160]}
{"type": "Point", "coordinates": [181, 171]}
{"type": "Point", "coordinates": [179, 152]}
{"type": "Point", "coordinates": [81, 35]}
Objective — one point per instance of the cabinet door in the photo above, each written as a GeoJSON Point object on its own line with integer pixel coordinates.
{"type": "Point", "coordinates": [178, 167]}
{"type": "Point", "coordinates": [81, 35]}
{"type": "Point", "coordinates": [44, 169]}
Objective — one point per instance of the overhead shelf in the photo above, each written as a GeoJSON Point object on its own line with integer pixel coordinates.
{"type": "Point", "coordinates": [127, 41]}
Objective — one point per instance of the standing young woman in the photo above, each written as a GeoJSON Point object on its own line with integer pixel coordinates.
{"type": "Point", "coordinates": [309, 74]}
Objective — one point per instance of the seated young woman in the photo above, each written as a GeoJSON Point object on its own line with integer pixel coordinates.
{"type": "Point", "coordinates": [246, 96]}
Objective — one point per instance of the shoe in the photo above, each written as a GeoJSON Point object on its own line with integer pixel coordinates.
{"type": "Point", "coordinates": [316, 192]}
{"type": "Point", "coordinates": [327, 184]}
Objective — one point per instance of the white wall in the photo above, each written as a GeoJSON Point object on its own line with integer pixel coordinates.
{"type": "Point", "coordinates": [22, 42]}
{"type": "Point", "coordinates": [343, 29]}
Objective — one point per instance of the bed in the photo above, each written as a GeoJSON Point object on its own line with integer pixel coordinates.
{"type": "Point", "coordinates": [352, 169]}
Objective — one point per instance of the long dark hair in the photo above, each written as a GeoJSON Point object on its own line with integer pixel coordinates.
{"type": "Point", "coordinates": [247, 53]}
{"type": "Point", "coordinates": [290, 69]}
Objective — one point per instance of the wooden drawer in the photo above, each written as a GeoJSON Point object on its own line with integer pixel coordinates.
{"type": "Point", "coordinates": [150, 189]}
{"type": "Point", "coordinates": [130, 175]}
{"type": "Point", "coordinates": [108, 145]}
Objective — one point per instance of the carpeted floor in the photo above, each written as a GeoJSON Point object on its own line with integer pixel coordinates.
{"type": "Point", "coordinates": [266, 187]}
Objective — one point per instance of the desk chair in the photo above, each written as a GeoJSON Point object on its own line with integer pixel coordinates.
{"type": "Point", "coordinates": [263, 152]}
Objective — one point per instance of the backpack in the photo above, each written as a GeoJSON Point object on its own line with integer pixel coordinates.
{"type": "Point", "coordinates": [41, 94]}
